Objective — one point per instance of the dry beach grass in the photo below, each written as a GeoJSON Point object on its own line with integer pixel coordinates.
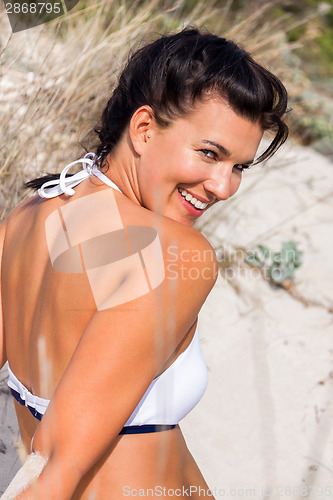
{"type": "Point", "coordinates": [56, 77]}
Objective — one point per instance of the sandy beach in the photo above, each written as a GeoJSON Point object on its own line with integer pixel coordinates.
{"type": "Point", "coordinates": [264, 427]}
{"type": "Point", "coordinates": [9, 435]}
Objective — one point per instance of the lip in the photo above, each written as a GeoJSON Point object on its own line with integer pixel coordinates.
{"type": "Point", "coordinates": [194, 212]}
{"type": "Point", "coordinates": [196, 196]}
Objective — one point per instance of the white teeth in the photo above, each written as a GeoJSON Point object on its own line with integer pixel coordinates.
{"type": "Point", "coordinates": [192, 200]}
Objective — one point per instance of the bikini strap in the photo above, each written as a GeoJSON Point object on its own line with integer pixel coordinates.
{"type": "Point", "coordinates": [64, 185]}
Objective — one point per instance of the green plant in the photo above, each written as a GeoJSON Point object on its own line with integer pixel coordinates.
{"type": "Point", "coordinates": [278, 267]}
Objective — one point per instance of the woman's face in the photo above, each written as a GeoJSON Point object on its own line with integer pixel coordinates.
{"type": "Point", "coordinates": [196, 161]}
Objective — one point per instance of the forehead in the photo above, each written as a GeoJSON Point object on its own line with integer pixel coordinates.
{"type": "Point", "coordinates": [214, 120]}
{"type": "Point", "coordinates": [218, 109]}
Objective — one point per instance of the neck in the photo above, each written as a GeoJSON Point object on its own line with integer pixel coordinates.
{"type": "Point", "coordinates": [121, 168]}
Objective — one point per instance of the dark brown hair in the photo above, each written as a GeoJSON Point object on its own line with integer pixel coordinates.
{"type": "Point", "coordinates": [174, 71]}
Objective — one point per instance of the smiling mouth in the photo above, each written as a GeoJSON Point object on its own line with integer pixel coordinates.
{"type": "Point", "coordinates": [199, 205]}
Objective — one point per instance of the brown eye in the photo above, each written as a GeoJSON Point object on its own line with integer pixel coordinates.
{"type": "Point", "coordinates": [209, 153]}
{"type": "Point", "coordinates": [241, 167]}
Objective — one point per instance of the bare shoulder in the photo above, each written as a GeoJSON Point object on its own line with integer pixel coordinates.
{"type": "Point", "coordinates": [186, 248]}
{"type": "Point", "coordinates": [3, 229]}
{"type": "Point", "coordinates": [180, 265]}
{"type": "Point", "coordinates": [24, 213]}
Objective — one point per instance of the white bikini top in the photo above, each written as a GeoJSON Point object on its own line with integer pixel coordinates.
{"type": "Point", "coordinates": [172, 394]}
{"type": "Point", "coordinates": [168, 399]}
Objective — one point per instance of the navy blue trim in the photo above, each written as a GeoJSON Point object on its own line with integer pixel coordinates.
{"type": "Point", "coordinates": [131, 429]}
{"type": "Point", "coordinates": [143, 429]}
{"type": "Point", "coordinates": [32, 410]}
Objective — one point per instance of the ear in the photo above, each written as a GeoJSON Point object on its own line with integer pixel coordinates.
{"type": "Point", "coordinates": [139, 126]}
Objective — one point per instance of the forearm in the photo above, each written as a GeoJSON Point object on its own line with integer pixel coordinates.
{"type": "Point", "coordinates": [56, 481]}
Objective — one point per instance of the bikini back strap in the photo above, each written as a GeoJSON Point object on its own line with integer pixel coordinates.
{"type": "Point", "coordinates": [64, 185]}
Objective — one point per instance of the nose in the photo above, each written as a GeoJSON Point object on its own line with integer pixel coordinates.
{"type": "Point", "coordinates": [220, 182]}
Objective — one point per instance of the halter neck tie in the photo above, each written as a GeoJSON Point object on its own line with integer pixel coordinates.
{"type": "Point", "coordinates": [64, 185]}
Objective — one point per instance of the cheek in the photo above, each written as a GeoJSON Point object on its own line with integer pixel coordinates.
{"type": "Point", "coordinates": [236, 182]}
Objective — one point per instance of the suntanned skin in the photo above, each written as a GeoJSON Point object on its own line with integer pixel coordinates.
{"type": "Point", "coordinates": [96, 365]}
{"type": "Point", "coordinates": [117, 362]}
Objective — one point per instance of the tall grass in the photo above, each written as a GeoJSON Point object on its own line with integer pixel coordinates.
{"type": "Point", "coordinates": [55, 78]}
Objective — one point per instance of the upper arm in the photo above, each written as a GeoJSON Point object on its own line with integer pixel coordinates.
{"type": "Point", "coordinates": [3, 356]}
{"type": "Point", "coordinates": [120, 352]}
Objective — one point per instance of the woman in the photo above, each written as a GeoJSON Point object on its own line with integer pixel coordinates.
{"type": "Point", "coordinates": [109, 278]}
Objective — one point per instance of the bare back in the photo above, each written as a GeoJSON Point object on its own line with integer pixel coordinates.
{"type": "Point", "coordinates": [51, 291]}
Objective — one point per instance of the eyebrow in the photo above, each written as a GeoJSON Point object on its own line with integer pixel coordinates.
{"type": "Point", "coordinates": [224, 150]}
